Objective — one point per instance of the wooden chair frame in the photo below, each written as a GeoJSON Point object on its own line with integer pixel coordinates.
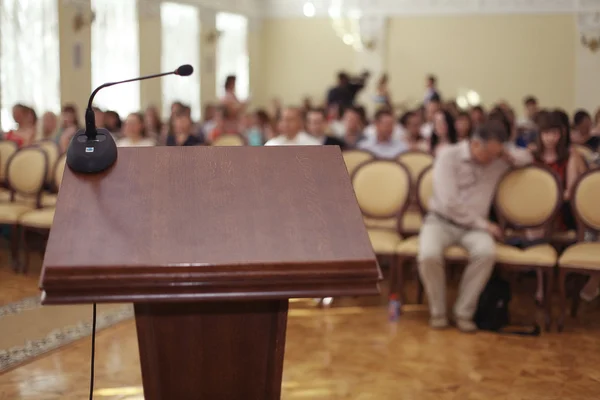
{"type": "Point", "coordinates": [546, 225]}
{"type": "Point", "coordinates": [565, 271]}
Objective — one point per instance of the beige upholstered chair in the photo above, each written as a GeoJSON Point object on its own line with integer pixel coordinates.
{"type": "Point", "coordinates": [582, 257]}
{"type": "Point", "coordinates": [382, 188]}
{"type": "Point", "coordinates": [529, 198]}
{"type": "Point", "coordinates": [7, 149]}
{"type": "Point", "coordinates": [416, 162]}
{"type": "Point", "coordinates": [353, 158]}
{"type": "Point", "coordinates": [52, 152]}
{"type": "Point", "coordinates": [229, 139]}
{"type": "Point", "coordinates": [585, 151]}
{"type": "Point", "coordinates": [40, 220]}
{"type": "Point", "coordinates": [26, 173]}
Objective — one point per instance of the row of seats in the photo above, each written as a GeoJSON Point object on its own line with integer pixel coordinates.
{"type": "Point", "coordinates": [527, 197]}
{"type": "Point", "coordinates": [30, 178]}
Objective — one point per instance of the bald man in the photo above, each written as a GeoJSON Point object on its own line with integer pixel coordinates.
{"type": "Point", "coordinates": [291, 133]}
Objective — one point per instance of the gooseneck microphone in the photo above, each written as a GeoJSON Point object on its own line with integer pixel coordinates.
{"type": "Point", "coordinates": [93, 149]}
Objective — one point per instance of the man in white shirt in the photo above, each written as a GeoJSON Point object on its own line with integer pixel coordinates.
{"type": "Point", "coordinates": [432, 107]}
{"type": "Point", "coordinates": [384, 145]}
{"type": "Point", "coordinates": [291, 131]}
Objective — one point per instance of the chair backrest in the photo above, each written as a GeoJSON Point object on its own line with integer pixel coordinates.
{"type": "Point", "coordinates": [425, 188]}
{"type": "Point", "coordinates": [353, 158]}
{"type": "Point", "coordinates": [382, 188]}
{"type": "Point", "coordinates": [528, 197]}
{"type": "Point", "coordinates": [27, 170]}
{"type": "Point", "coordinates": [7, 149]}
{"type": "Point", "coordinates": [229, 140]}
{"type": "Point", "coordinates": [585, 196]}
{"type": "Point", "coordinates": [59, 170]}
{"type": "Point", "coordinates": [416, 162]}
{"type": "Point", "coordinates": [53, 152]}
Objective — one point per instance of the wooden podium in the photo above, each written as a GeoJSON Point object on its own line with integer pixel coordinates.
{"type": "Point", "coordinates": [209, 243]}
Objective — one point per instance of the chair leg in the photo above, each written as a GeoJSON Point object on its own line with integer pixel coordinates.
{"type": "Point", "coordinates": [548, 298]}
{"type": "Point", "coordinates": [14, 247]}
{"type": "Point", "coordinates": [26, 250]}
{"type": "Point", "coordinates": [562, 277]}
{"type": "Point", "coordinates": [419, 286]}
{"type": "Point", "coordinates": [399, 267]}
{"type": "Point", "coordinates": [579, 284]}
{"type": "Point", "coordinates": [393, 277]}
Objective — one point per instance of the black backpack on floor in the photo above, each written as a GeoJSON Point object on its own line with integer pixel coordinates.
{"type": "Point", "coordinates": [492, 310]}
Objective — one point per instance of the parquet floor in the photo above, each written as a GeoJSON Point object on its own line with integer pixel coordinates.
{"type": "Point", "coordinates": [351, 351]}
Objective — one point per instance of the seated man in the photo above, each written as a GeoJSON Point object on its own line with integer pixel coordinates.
{"type": "Point", "coordinates": [291, 131]}
{"type": "Point", "coordinates": [465, 176]}
{"type": "Point", "coordinates": [383, 144]}
{"type": "Point", "coordinates": [316, 125]}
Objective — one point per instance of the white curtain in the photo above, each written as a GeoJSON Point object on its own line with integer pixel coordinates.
{"type": "Point", "coordinates": [232, 53]}
{"type": "Point", "coordinates": [180, 45]}
{"type": "Point", "coordinates": [116, 54]}
{"type": "Point", "coordinates": [29, 57]}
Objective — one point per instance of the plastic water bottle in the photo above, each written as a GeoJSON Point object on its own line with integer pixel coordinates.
{"type": "Point", "coordinates": [394, 308]}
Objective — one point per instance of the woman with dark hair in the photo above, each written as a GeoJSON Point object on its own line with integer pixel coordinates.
{"type": "Point", "coordinates": [463, 125]}
{"type": "Point", "coordinates": [134, 132]}
{"type": "Point", "coordinates": [112, 122]}
{"type": "Point", "coordinates": [26, 120]}
{"type": "Point", "coordinates": [444, 131]}
{"type": "Point", "coordinates": [596, 128]}
{"type": "Point", "coordinates": [552, 151]}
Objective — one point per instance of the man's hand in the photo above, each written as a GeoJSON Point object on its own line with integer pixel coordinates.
{"type": "Point", "coordinates": [495, 231]}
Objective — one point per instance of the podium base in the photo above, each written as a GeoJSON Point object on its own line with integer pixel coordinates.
{"type": "Point", "coordinates": [212, 350]}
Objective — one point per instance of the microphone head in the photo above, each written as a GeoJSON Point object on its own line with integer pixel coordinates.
{"type": "Point", "coordinates": [184, 70]}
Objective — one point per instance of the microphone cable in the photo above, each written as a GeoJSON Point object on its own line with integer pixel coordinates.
{"type": "Point", "coordinates": [93, 352]}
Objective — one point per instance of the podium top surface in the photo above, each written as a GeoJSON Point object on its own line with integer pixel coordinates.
{"type": "Point", "coordinates": [195, 223]}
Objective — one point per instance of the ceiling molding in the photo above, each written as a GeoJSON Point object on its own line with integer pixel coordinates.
{"type": "Point", "coordinates": [294, 8]}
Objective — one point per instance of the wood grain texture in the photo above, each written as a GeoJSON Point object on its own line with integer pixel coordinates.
{"type": "Point", "coordinates": [209, 223]}
{"type": "Point", "coordinates": [227, 350]}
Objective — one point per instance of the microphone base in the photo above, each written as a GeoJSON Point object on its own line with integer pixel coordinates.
{"type": "Point", "coordinates": [91, 156]}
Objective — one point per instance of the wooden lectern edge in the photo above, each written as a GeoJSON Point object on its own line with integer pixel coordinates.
{"type": "Point", "coordinates": [175, 294]}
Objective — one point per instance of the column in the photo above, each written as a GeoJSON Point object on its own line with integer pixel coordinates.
{"type": "Point", "coordinates": [587, 64]}
{"type": "Point", "coordinates": [150, 35]}
{"type": "Point", "coordinates": [208, 60]}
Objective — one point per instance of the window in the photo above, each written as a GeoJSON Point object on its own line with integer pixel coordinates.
{"type": "Point", "coordinates": [180, 45]}
{"type": "Point", "coordinates": [29, 57]}
{"type": "Point", "coordinates": [232, 53]}
{"type": "Point", "coordinates": [116, 55]}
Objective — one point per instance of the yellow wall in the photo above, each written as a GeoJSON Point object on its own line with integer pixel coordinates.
{"type": "Point", "coordinates": [500, 57]}
{"type": "Point", "coordinates": [298, 57]}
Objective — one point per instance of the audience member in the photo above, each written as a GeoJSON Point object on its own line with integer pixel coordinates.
{"type": "Point", "coordinates": [134, 132]}
{"type": "Point", "coordinates": [463, 125]}
{"type": "Point", "coordinates": [582, 131]}
{"type": "Point", "coordinates": [431, 92]}
{"type": "Point", "coordinates": [383, 144]}
{"type": "Point", "coordinates": [382, 97]}
{"type": "Point", "coordinates": [49, 125]}
{"type": "Point", "coordinates": [344, 93]}
{"type": "Point", "coordinates": [398, 131]}
{"type": "Point", "coordinates": [291, 133]}
{"type": "Point", "coordinates": [596, 129]}
{"type": "Point", "coordinates": [183, 130]}
{"type": "Point", "coordinates": [465, 176]}
{"type": "Point", "coordinates": [531, 109]}
{"type": "Point", "coordinates": [112, 122]}
{"type": "Point", "coordinates": [444, 132]}
{"type": "Point", "coordinates": [233, 109]}
{"type": "Point", "coordinates": [431, 108]}
{"type": "Point", "coordinates": [26, 120]}
{"type": "Point", "coordinates": [316, 125]}
{"type": "Point", "coordinates": [69, 126]}
{"type": "Point", "coordinates": [477, 116]}
{"type": "Point", "coordinates": [411, 123]}
{"type": "Point", "coordinates": [153, 123]}
{"type": "Point", "coordinates": [353, 127]}
{"type": "Point", "coordinates": [99, 117]}
{"type": "Point", "coordinates": [552, 151]}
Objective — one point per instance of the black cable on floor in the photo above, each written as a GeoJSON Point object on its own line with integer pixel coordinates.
{"type": "Point", "coordinates": [93, 352]}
